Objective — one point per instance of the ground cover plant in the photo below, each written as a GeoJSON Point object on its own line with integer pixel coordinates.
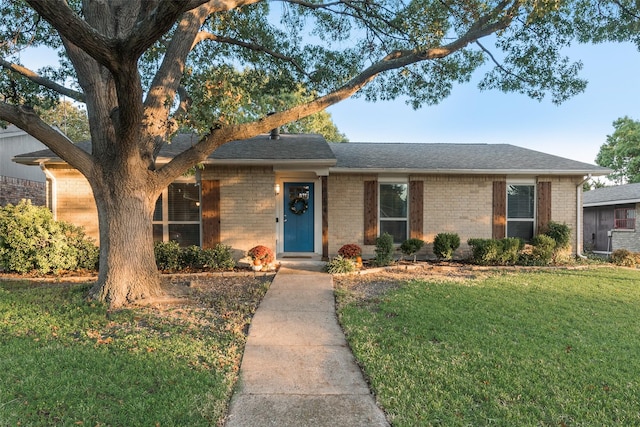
{"type": "Point", "coordinates": [553, 347]}
{"type": "Point", "coordinates": [69, 362]}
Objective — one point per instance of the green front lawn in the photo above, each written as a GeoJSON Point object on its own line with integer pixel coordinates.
{"type": "Point", "coordinates": [556, 348]}
{"type": "Point", "coordinates": [66, 362]}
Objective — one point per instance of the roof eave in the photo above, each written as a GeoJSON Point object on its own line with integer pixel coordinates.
{"type": "Point", "coordinates": [470, 171]}
{"type": "Point", "coordinates": [611, 203]}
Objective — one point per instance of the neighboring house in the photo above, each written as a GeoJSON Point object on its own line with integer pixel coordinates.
{"type": "Point", "coordinates": [610, 218]}
{"type": "Point", "coordinates": [302, 196]}
{"type": "Point", "coordinates": [17, 181]}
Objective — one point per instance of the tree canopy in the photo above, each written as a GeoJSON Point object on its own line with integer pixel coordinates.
{"type": "Point", "coordinates": [148, 68]}
{"type": "Point", "coordinates": [621, 152]}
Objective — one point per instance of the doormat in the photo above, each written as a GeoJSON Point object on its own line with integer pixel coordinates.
{"type": "Point", "coordinates": [295, 256]}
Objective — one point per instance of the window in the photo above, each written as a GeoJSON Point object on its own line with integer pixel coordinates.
{"type": "Point", "coordinates": [393, 211]}
{"type": "Point", "coordinates": [177, 215]}
{"type": "Point", "coordinates": [520, 211]}
{"type": "Point", "coordinates": [624, 218]}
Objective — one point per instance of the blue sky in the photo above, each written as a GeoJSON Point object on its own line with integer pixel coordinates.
{"type": "Point", "coordinates": [576, 129]}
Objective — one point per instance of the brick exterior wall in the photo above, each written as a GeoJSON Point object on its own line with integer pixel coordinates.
{"type": "Point", "coordinates": [248, 206]}
{"type": "Point", "coordinates": [12, 190]}
{"type": "Point", "coordinates": [627, 239]}
{"type": "Point", "coordinates": [346, 211]}
{"type": "Point", "coordinates": [454, 203]}
{"type": "Point", "coordinates": [459, 204]}
{"type": "Point", "coordinates": [75, 202]}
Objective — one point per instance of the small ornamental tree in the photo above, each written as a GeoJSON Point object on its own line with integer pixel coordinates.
{"type": "Point", "coordinates": [411, 247]}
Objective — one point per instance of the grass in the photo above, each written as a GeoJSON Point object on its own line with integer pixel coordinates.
{"type": "Point", "coordinates": [557, 348]}
{"type": "Point", "coordinates": [69, 362]}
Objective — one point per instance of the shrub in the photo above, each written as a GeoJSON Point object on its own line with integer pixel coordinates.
{"type": "Point", "coordinates": [340, 264]}
{"type": "Point", "coordinates": [191, 257]}
{"type": "Point", "coordinates": [445, 244]}
{"type": "Point", "coordinates": [560, 233]}
{"type": "Point", "coordinates": [484, 251]}
{"type": "Point", "coordinates": [510, 248]}
{"type": "Point", "coordinates": [219, 258]}
{"type": "Point", "coordinates": [411, 247]}
{"type": "Point", "coordinates": [168, 255]}
{"type": "Point", "coordinates": [495, 252]}
{"type": "Point", "coordinates": [31, 240]}
{"type": "Point", "coordinates": [543, 247]}
{"type": "Point", "coordinates": [384, 250]}
{"type": "Point", "coordinates": [350, 250]}
{"type": "Point", "coordinates": [624, 257]}
{"type": "Point", "coordinates": [262, 254]}
{"type": "Point", "coordinates": [171, 257]}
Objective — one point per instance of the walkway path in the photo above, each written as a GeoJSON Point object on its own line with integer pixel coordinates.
{"type": "Point", "coordinates": [297, 369]}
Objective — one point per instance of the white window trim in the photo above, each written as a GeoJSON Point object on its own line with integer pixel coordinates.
{"type": "Point", "coordinates": [393, 180]}
{"type": "Point", "coordinates": [527, 182]}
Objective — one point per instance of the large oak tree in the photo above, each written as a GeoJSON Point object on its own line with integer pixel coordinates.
{"type": "Point", "coordinates": [146, 68]}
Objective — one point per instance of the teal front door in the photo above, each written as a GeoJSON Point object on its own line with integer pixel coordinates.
{"type": "Point", "coordinates": [298, 217]}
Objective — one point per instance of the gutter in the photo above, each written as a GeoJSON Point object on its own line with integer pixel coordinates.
{"type": "Point", "coordinates": [579, 231]}
{"type": "Point", "coordinates": [53, 202]}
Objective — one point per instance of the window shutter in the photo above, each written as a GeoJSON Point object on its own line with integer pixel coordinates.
{"type": "Point", "coordinates": [416, 209]}
{"type": "Point", "coordinates": [210, 213]}
{"type": "Point", "coordinates": [544, 206]}
{"type": "Point", "coordinates": [370, 212]}
{"type": "Point", "coordinates": [499, 224]}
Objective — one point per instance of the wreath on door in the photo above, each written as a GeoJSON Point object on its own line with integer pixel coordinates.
{"type": "Point", "coordinates": [298, 205]}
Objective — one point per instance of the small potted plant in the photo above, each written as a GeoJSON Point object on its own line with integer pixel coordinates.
{"type": "Point", "coordinates": [261, 256]}
{"type": "Point", "coordinates": [352, 251]}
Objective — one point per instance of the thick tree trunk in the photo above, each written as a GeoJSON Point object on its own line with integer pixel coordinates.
{"type": "Point", "coordinates": [128, 271]}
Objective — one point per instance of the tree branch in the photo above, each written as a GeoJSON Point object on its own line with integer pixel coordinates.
{"type": "Point", "coordinates": [397, 59]}
{"type": "Point", "coordinates": [75, 29]}
{"type": "Point", "coordinates": [42, 81]}
{"type": "Point", "coordinates": [26, 119]}
{"type": "Point", "coordinates": [204, 35]}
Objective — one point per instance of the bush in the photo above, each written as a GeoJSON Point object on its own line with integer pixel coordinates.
{"type": "Point", "coordinates": [543, 248]}
{"type": "Point", "coordinates": [445, 244]}
{"type": "Point", "coordinates": [624, 257]}
{"type": "Point", "coordinates": [495, 252]}
{"type": "Point", "coordinates": [560, 233]}
{"type": "Point", "coordinates": [171, 257]}
{"type": "Point", "coordinates": [219, 258]}
{"type": "Point", "coordinates": [168, 255]}
{"type": "Point", "coordinates": [411, 247]}
{"type": "Point", "coordinates": [510, 248]}
{"type": "Point", "coordinates": [340, 264]}
{"type": "Point", "coordinates": [350, 250]}
{"type": "Point", "coordinates": [384, 250]}
{"type": "Point", "coordinates": [484, 251]}
{"type": "Point", "coordinates": [31, 240]}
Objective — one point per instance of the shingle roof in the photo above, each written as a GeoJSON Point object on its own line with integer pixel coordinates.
{"type": "Point", "coordinates": [311, 149]}
{"type": "Point", "coordinates": [260, 149]}
{"type": "Point", "coordinates": [619, 194]}
{"type": "Point", "coordinates": [463, 158]}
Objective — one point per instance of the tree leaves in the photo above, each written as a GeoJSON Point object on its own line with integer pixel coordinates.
{"type": "Point", "coordinates": [621, 152]}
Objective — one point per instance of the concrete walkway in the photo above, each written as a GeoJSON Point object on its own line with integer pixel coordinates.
{"type": "Point", "coordinates": [297, 369]}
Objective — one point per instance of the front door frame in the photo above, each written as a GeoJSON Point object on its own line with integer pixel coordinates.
{"type": "Point", "coordinates": [290, 177]}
